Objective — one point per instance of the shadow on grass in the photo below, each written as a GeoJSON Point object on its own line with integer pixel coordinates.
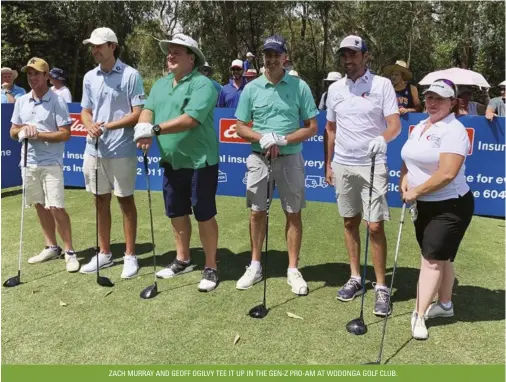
{"type": "Point", "coordinates": [6, 194]}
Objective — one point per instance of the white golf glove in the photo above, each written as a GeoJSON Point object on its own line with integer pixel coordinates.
{"type": "Point", "coordinates": [28, 132]}
{"type": "Point", "coordinates": [21, 135]}
{"type": "Point", "coordinates": [143, 130]}
{"type": "Point", "coordinates": [91, 139]}
{"type": "Point", "coordinates": [377, 145]}
{"type": "Point", "coordinates": [271, 139]}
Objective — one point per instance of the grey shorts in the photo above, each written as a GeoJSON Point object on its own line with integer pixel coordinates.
{"type": "Point", "coordinates": [289, 178]}
{"type": "Point", "coordinates": [352, 191]}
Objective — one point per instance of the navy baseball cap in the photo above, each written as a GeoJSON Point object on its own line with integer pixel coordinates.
{"type": "Point", "coordinates": [354, 43]}
{"type": "Point", "coordinates": [276, 43]}
{"type": "Point", "coordinates": [57, 74]}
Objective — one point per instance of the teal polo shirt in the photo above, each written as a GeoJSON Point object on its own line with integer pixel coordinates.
{"type": "Point", "coordinates": [194, 95]}
{"type": "Point", "coordinates": [276, 108]}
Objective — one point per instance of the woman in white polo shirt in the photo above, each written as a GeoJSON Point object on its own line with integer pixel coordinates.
{"type": "Point", "coordinates": [433, 179]}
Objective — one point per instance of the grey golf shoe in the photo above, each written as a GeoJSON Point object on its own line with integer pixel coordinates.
{"type": "Point", "coordinates": [382, 306]}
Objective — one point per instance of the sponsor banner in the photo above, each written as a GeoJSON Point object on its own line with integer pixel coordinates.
{"type": "Point", "coordinates": [485, 166]}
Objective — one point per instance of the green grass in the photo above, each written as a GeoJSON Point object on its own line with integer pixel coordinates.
{"type": "Point", "coordinates": [183, 326]}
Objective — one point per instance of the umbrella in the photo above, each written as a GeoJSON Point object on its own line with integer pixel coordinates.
{"type": "Point", "coordinates": [458, 76]}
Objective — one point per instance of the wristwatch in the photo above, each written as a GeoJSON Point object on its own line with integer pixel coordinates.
{"type": "Point", "coordinates": [156, 129]}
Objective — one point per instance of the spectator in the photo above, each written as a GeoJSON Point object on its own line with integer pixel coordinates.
{"type": "Point", "coordinates": [407, 94]}
{"type": "Point", "coordinates": [10, 92]}
{"type": "Point", "coordinates": [250, 74]}
{"type": "Point", "coordinates": [248, 62]}
{"type": "Point", "coordinates": [57, 79]}
{"type": "Point", "coordinates": [331, 78]}
{"type": "Point", "coordinates": [229, 95]}
{"type": "Point", "coordinates": [294, 73]}
{"type": "Point", "coordinates": [207, 70]}
{"type": "Point", "coordinates": [466, 105]}
{"type": "Point", "coordinates": [496, 106]}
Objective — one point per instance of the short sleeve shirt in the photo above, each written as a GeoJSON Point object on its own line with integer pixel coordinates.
{"type": "Point", "coordinates": [64, 92]}
{"type": "Point", "coordinates": [48, 114]}
{"type": "Point", "coordinates": [17, 92]}
{"type": "Point", "coordinates": [359, 109]}
{"type": "Point", "coordinates": [194, 95]}
{"type": "Point", "coordinates": [421, 154]}
{"type": "Point", "coordinates": [498, 105]}
{"type": "Point", "coordinates": [276, 108]}
{"type": "Point", "coordinates": [111, 96]}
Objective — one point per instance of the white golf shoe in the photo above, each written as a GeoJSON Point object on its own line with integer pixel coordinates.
{"type": "Point", "coordinates": [296, 281]}
{"type": "Point", "coordinates": [47, 253]}
{"type": "Point", "coordinates": [104, 261]}
{"type": "Point", "coordinates": [130, 266]}
{"type": "Point", "coordinates": [438, 310]}
{"type": "Point", "coordinates": [252, 276]}
{"type": "Point", "coordinates": [418, 329]}
{"type": "Point", "coordinates": [71, 262]}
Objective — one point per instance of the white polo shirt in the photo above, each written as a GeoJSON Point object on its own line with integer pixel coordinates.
{"type": "Point", "coordinates": [421, 154]}
{"type": "Point", "coordinates": [359, 109]}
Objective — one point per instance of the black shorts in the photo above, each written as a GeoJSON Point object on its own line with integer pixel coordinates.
{"type": "Point", "coordinates": [187, 189]}
{"type": "Point", "coordinates": [441, 225]}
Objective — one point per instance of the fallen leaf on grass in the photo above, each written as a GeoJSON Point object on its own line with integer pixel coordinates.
{"type": "Point", "coordinates": [291, 315]}
{"type": "Point", "coordinates": [236, 339]}
{"type": "Point", "coordinates": [35, 291]}
{"type": "Point", "coordinates": [63, 303]}
{"type": "Point", "coordinates": [108, 293]}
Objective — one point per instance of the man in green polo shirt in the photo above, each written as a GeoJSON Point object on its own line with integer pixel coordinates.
{"type": "Point", "coordinates": [181, 106]}
{"type": "Point", "coordinates": [276, 102]}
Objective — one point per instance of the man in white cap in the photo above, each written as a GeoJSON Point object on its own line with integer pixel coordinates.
{"type": "Point", "coordinates": [10, 91]}
{"type": "Point", "coordinates": [181, 107]}
{"type": "Point", "coordinates": [248, 62]}
{"type": "Point", "coordinates": [207, 70]}
{"type": "Point", "coordinates": [113, 96]}
{"type": "Point", "coordinates": [229, 95]}
{"type": "Point", "coordinates": [42, 117]}
{"type": "Point", "coordinates": [331, 78]}
{"type": "Point", "coordinates": [408, 100]}
{"type": "Point", "coordinates": [362, 117]}
{"type": "Point", "coordinates": [496, 107]}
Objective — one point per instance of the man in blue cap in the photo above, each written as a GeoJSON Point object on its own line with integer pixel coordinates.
{"type": "Point", "coordinates": [275, 103]}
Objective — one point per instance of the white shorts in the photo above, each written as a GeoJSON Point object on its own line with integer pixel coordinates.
{"type": "Point", "coordinates": [352, 191]}
{"type": "Point", "coordinates": [44, 185]}
{"type": "Point", "coordinates": [116, 174]}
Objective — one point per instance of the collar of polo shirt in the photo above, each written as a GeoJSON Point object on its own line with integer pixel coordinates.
{"type": "Point", "coordinates": [367, 77]}
{"type": "Point", "coordinates": [45, 98]}
{"type": "Point", "coordinates": [118, 67]}
{"type": "Point", "coordinates": [285, 79]}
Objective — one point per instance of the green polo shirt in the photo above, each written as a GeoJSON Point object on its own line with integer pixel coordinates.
{"type": "Point", "coordinates": [276, 108]}
{"type": "Point", "coordinates": [195, 96]}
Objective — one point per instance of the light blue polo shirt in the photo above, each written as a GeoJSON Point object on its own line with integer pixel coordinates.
{"type": "Point", "coordinates": [111, 96]}
{"type": "Point", "coordinates": [17, 92]}
{"type": "Point", "coordinates": [50, 113]}
{"type": "Point", "coordinates": [276, 108]}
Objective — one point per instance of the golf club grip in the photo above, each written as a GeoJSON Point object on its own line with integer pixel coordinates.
{"type": "Point", "coordinates": [148, 186]}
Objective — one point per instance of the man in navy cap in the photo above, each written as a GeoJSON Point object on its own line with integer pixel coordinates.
{"type": "Point", "coordinates": [275, 103]}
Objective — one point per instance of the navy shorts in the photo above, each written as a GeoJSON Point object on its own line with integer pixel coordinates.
{"type": "Point", "coordinates": [188, 190]}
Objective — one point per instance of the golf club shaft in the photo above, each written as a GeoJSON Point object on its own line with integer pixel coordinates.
{"type": "Point", "coordinates": [146, 173]}
{"type": "Point", "coordinates": [393, 275]}
{"type": "Point", "coordinates": [23, 205]}
{"type": "Point", "coordinates": [96, 204]}
{"type": "Point", "coordinates": [371, 183]}
{"type": "Point", "coordinates": [269, 191]}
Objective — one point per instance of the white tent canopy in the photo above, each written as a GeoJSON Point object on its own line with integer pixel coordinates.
{"type": "Point", "coordinates": [458, 76]}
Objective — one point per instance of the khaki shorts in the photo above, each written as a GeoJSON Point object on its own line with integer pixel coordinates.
{"type": "Point", "coordinates": [352, 191]}
{"type": "Point", "coordinates": [44, 185]}
{"type": "Point", "coordinates": [288, 175]}
{"type": "Point", "coordinates": [116, 174]}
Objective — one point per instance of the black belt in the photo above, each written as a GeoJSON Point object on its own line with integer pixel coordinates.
{"type": "Point", "coordinates": [263, 154]}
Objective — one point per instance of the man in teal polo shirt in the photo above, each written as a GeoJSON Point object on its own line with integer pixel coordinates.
{"type": "Point", "coordinates": [276, 102]}
{"type": "Point", "coordinates": [181, 106]}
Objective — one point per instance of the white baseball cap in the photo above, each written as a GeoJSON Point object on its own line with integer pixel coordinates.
{"type": "Point", "coordinates": [236, 64]}
{"type": "Point", "coordinates": [100, 36]}
{"type": "Point", "coordinates": [333, 76]}
{"type": "Point", "coordinates": [293, 73]}
{"type": "Point", "coordinates": [249, 54]}
{"type": "Point", "coordinates": [354, 43]}
{"type": "Point", "coordinates": [184, 40]}
{"type": "Point", "coordinates": [441, 88]}
{"type": "Point", "coordinates": [502, 83]}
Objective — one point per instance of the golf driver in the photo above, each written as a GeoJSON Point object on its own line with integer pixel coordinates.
{"type": "Point", "coordinates": [378, 361]}
{"type": "Point", "coordinates": [260, 311]}
{"type": "Point", "coordinates": [101, 280]}
{"type": "Point", "coordinates": [357, 326]}
{"type": "Point", "coordinates": [152, 290]}
{"type": "Point", "coordinates": [16, 280]}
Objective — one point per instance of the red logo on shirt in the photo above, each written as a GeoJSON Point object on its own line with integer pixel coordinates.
{"type": "Point", "coordinates": [470, 135]}
{"type": "Point", "coordinates": [77, 128]}
{"type": "Point", "coordinates": [228, 133]}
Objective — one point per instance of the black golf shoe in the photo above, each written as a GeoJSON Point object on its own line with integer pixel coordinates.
{"type": "Point", "coordinates": [175, 268]}
{"type": "Point", "coordinates": [350, 290]}
{"type": "Point", "coordinates": [209, 280]}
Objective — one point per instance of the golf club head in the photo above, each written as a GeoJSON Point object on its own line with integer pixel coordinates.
{"type": "Point", "coordinates": [259, 311]}
{"type": "Point", "coordinates": [12, 282]}
{"type": "Point", "coordinates": [149, 292]}
{"type": "Point", "coordinates": [357, 327]}
{"type": "Point", "coordinates": [104, 281]}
